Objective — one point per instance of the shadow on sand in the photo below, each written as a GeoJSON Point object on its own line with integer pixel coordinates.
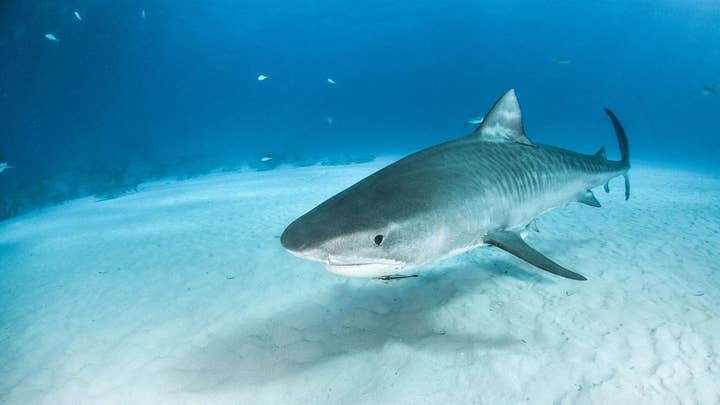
{"type": "Point", "coordinates": [347, 319]}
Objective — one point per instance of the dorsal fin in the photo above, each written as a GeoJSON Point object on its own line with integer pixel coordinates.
{"type": "Point", "coordinates": [504, 122]}
{"type": "Point", "coordinates": [601, 152]}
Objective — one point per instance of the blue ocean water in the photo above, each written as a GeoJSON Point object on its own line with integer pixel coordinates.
{"type": "Point", "coordinates": [177, 90]}
{"type": "Point", "coordinates": [160, 291]}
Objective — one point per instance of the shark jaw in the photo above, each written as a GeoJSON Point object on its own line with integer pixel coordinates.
{"type": "Point", "coordinates": [352, 267]}
{"type": "Point", "coordinates": [377, 269]}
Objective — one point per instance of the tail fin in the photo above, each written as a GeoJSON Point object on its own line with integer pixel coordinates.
{"type": "Point", "coordinates": [624, 148]}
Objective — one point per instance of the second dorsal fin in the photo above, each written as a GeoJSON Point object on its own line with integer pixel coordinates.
{"type": "Point", "coordinates": [503, 123]}
{"type": "Point", "coordinates": [601, 153]}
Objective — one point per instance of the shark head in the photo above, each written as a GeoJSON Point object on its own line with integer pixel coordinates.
{"type": "Point", "coordinates": [361, 232]}
{"type": "Point", "coordinates": [344, 246]}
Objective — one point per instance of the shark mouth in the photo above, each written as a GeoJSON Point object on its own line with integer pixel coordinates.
{"type": "Point", "coordinates": [373, 268]}
{"type": "Point", "coordinates": [377, 268]}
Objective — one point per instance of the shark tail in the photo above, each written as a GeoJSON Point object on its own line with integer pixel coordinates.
{"type": "Point", "coordinates": [624, 149]}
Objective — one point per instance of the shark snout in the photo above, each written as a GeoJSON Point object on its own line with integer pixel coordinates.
{"type": "Point", "coordinates": [289, 240]}
{"type": "Point", "coordinates": [293, 239]}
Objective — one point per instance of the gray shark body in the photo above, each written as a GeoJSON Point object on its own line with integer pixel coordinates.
{"type": "Point", "coordinates": [482, 189]}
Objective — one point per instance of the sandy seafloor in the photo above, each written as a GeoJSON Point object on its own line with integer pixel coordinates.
{"type": "Point", "coordinates": [181, 293]}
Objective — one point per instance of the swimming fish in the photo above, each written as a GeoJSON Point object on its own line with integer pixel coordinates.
{"type": "Point", "coordinates": [4, 166]}
{"type": "Point", "coordinates": [51, 37]}
{"type": "Point", "coordinates": [265, 159]}
{"type": "Point", "coordinates": [77, 15]}
{"type": "Point", "coordinates": [708, 90]}
{"type": "Point", "coordinates": [331, 81]}
{"type": "Point", "coordinates": [262, 77]}
{"type": "Point", "coordinates": [142, 14]}
{"type": "Point", "coordinates": [483, 189]}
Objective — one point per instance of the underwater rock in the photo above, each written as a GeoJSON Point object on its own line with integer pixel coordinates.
{"type": "Point", "coordinates": [335, 160]}
{"type": "Point", "coordinates": [8, 207]}
{"type": "Point", "coordinates": [305, 162]}
{"type": "Point", "coordinates": [117, 191]}
{"type": "Point", "coordinates": [190, 167]}
{"type": "Point", "coordinates": [106, 182]}
{"type": "Point", "coordinates": [116, 183]}
{"type": "Point", "coordinates": [347, 160]}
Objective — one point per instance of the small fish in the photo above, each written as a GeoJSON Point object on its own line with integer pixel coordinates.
{"type": "Point", "coordinates": [395, 277]}
{"type": "Point", "coordinates": [51, 37]}
{"type": "Point", "coordinates": [476, 120]}
{"type": "Point", "coordinates": [263, 77]}
{"type": "Point", "coordinates": [329, 119]}
{"type": "Point", "coordinates": [77, 15]}
{"type": "Point", "coordinates": [562, 61]}
{"type": "Point", "coordinates": [708, 90]}
{"type": "Point", "coordinates": [142, 14]}
{"type": "Point", "coordinates": [4, 166]}
{"type": "Point", "coordinates": [265, 159]}
{"type": "Point", "coordinates": [331, 81]}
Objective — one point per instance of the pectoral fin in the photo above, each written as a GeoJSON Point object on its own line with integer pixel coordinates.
{"type": "Point", "coordinates": [588, 198]}
{"type": "Point", "coordinates": [513, 244]}
{"type": "Point", "coordinates": [533, 225]}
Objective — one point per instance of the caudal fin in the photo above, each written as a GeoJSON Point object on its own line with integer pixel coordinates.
{"type": "Point", "coordinates": [624, 148]}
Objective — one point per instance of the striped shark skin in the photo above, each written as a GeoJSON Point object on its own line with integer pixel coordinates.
{"type": "Point", "coordinates": [484, 189]}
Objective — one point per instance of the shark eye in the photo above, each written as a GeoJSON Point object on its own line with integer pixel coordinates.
{"type": "Point", "coordinates": [378, 239]}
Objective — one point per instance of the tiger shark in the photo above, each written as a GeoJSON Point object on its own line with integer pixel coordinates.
{"type": "Point", "coordinates": [484, 189]}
